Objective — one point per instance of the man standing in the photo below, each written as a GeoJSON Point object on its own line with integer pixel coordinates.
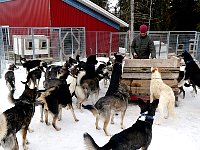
{"type": "Point", "coordinates": [142, 45]}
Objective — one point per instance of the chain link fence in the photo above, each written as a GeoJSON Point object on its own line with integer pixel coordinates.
{"type": "Point", "coordinates": [58, 44]}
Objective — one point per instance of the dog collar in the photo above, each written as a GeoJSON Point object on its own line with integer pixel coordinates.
{"type": "Point", "coordinates": [146, 118]}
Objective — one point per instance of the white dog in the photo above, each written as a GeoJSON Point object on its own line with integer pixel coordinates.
{"type": "Point", "coordinates": [163, 92]}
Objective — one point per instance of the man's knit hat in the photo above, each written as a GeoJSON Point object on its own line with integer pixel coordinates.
{"type": "Point", "coordinates": [143, 28]}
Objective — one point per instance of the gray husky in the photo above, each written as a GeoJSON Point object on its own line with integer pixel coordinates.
{"type": "Point", "coordinates": [106, 107]}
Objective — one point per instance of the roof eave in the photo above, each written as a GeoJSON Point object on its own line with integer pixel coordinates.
{"type": "Point", "coordinates": [107, 14]}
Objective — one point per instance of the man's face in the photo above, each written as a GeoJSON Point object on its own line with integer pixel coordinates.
{"type": "Point", "coordinates": [143, 34]}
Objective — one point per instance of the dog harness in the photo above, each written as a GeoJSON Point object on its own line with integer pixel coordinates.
{"type": "Point", "coordinates": [146, 117]}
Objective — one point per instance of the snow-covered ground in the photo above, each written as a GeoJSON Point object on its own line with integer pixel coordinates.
{"type": "Point", "coordinates": [181, 133]}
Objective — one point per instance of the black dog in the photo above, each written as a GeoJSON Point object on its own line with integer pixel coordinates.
{"type": "Point", "coordinates": [90, 68]}
{"type": "Point", "coordinates": [137, 136]}
{"type": "Point", "coordinates": [30, 64]}
{"type": "Point", "coordinates": [34, 76]}
{"type": "Point", "coordinates": [192, 70]}
{"type": "Point", "coordinates": [17, 118]}
{"type": "Point", "coordinates": [53, 99]}
{"type": "Point", "coordinates": [116, 75]}
{"type": "Point", "coordinates": [10, 77]}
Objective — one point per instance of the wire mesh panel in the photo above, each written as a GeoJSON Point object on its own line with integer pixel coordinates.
{"type": "Point", "coordinates": [119, 42]}
{"type": "Point", "coordinates": [43, 43]}
{"type": "Point", "coordinates": [98, 42]}
{"type": "Point", "coordinates": [73, 42]}
{"type": "Point", "coordinates": [2, 53]}
{"type": "Point", "coordinates": [161, 43]}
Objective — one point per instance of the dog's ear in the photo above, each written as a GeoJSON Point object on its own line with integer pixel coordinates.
{"type": "Point", "coordinates": [26, 86]}
{"type": "Point", "coordinates": [153, 69]}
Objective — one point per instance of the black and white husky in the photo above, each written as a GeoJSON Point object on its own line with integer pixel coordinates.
{"type": "Point", "coordinates": [139, 135]}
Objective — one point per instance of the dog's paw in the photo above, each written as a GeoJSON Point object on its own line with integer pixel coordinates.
{"type": "Point", "coordinates": [157, 123]}
{"type": "Point", "coordinates": [57, 129]}
{"type": "Point", "coordinates": [48, 123]}
{"type": "Point", "coordinates": [98, 128]}
{"type": "Point", "coordinates": [122, 127]}
{"type": "Point", "coordinates": [30, 130]}
{"type": "Point", "coordinates": [27, 142]}
{"type": "Point", "coordinates": [108, 134]}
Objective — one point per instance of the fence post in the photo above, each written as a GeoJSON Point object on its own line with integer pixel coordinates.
{"type": "Point", "coordinates": [195, 46]}
{"type": "Point", "coordinates": [60, 46]}
{"type": "Point", "coordinates": [168, 36]}
{"type": "Point", "coordinates": [96, 42]}
{"type": "Point", "coordinates": [126, 43]}
{"type": "Point", "coordinates": [110, 44]}
{"type": "Point", "coordinates": [72, 43]}
{"type": "Point", "coordinates": [33, 42]}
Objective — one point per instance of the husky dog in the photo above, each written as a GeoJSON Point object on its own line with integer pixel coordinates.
{"type": "Point", "coordinates": [53, 99]}
{"type": "Point", "coordinates": [139, 135]}
{"type": "Point", "coordinates": [17, 118]}
{"type": "Point", "coordinates": [107, 106]}
{"type": "Point", "coordinates": [10, 77]}
{"type": "Point", "coordinates": [30, 64]}
{"type": "Point", "coordinates": [192, 71]}
{"type": "Point", "coordinates": [86, 88]}
{"type": "Point", "coordinates": [34, 76]}
{"type": "Point", "coordinates": [163, 92]}
{"type": "Point", "coordinates": [116, 74]}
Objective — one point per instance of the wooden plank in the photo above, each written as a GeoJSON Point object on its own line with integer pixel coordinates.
{"type": "Point", "coordinates": [148, 69]}
{"type": "Point", "coordinates": [146, 83]}
{"type": "Point", "coordinates": [141, 76]}
{"type": "Point", "coordinates": [144, 91]}
{"type": "Point", "coordinates": [173, 62]}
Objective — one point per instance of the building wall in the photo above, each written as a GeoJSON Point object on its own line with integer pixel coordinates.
{"type": "Point", "coordinates": [25, 13]}
{"type": "Point", "coordinates": [64, 14]}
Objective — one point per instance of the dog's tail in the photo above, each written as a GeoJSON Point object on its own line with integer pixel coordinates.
{"type": "Point", "coordinates": [3, 126]}
{"type": "Point", "coordinates": [91, 108]}
{"type": "Point", "coordinates": [27, 79]}
{"type": "Point", "coordinates": [89, 142]}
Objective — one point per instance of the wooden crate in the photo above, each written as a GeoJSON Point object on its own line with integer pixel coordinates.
{"type": "Point", "coordinates": [137, 75]}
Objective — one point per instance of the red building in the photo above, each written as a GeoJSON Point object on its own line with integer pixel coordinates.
{"type": "Point", "coordinates": [62, 13]}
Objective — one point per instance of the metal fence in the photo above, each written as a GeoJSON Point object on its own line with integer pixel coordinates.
{"type": "Point", "coordinates": [58, 44]}
{"type": "Point", "coordinates": [2, 52]}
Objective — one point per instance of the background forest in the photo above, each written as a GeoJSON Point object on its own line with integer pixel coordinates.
{"type": "Point", "coordinates": [163, 15]}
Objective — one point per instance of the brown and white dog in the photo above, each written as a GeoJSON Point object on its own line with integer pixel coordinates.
{"type": "Point", "coordinates": [163, 92]}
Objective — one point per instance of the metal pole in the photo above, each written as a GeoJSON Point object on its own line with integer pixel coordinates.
{"type": "Point", "coordinates": [33, 42]}
{"type": "Point", "coordinates": [150, 14]}
{"type": "Point", "coordinates": [132, 24]}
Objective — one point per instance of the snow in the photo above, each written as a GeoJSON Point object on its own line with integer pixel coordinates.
{"type": "Point", "coordinates": [181, 133]}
